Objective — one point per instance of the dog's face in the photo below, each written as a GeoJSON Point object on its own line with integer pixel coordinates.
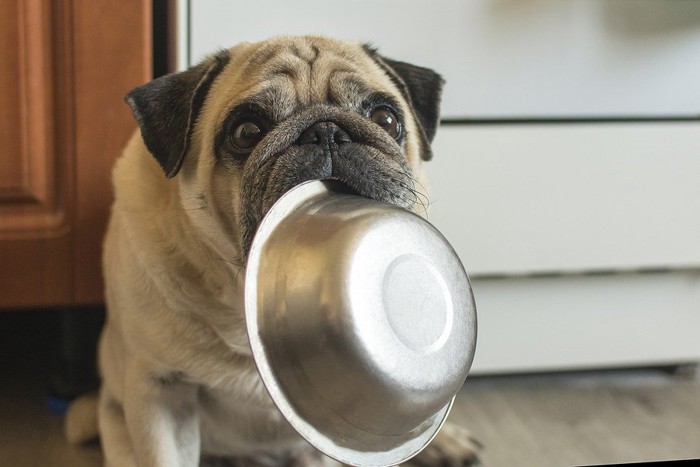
{"type": "Point", "coordinates": [246, 125]}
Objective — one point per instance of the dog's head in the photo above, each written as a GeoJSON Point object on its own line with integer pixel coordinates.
{"type": "Point", "coordinates": [249, 123]}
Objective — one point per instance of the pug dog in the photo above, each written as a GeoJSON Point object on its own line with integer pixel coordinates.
{"type": "Point", "coordinates": [218, 144]}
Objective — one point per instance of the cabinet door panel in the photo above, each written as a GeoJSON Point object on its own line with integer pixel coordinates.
{"type": "Point", "coordinates": [35, 231]}
{"type": "Point", "coordinates": [32, 182]}
{"type": "Point", "coordinates": [66, 66]}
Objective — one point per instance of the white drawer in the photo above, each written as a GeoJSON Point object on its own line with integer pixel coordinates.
{"type": "Point", "coordinates": [579, 322]}
{"type": "Point", "coordinates": [520, 199]}
{"type": "Point", "coordinates": [546, 58]}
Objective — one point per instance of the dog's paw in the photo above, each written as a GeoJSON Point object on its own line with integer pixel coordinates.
{"type": "Point", "coordinates": [80, 424]}
{"type": "Point", "coordinates": [453, 446]}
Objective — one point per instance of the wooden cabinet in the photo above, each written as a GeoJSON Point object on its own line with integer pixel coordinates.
{"type": "Point", "coordinates": [66, 67]}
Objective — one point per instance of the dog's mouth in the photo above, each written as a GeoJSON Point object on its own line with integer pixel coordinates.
{"type": "Point", "coordinates": [329, 145]}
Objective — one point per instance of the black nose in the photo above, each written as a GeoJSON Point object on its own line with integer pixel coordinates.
{"type": "Point", "coordinates": [324, 133]}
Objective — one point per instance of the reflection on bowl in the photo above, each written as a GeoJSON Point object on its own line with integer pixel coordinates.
{"type": "Point", "coordinates": [361, 320]}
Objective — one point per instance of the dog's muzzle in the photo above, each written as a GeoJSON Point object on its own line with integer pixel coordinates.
{"type": "Point", "coordinates": [323, 143]}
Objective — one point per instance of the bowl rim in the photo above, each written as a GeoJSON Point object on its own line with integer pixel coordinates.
{"type": "Point", "coordinates": [322, 441]}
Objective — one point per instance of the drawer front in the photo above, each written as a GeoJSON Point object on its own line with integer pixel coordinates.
{"type": "Point", "coordinates": [521, 199]}
{"type": "Point", "coordinates": [578, 322]}
{"type": "Point", "coordinates": [501, 59]}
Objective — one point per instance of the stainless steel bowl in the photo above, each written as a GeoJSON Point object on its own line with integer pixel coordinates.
{"type": "Point", "coordinates": [361, 321]}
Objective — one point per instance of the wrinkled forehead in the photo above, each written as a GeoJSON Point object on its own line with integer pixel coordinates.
{"type": "Point", "coordinates": [288, 74]}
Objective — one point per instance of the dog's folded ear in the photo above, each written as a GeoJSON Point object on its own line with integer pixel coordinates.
{"type": "Point", "coordinates": [422, 88]}
{"type": "Point", "coordinates": [166, 110]}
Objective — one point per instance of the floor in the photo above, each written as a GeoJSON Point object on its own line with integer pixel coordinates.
{"type": "Point", "coordinates": [543, 420]}
{"type": "Point", "coordinates": [583, 419]}
{"type": "Point", "coordinates": [31, 435]}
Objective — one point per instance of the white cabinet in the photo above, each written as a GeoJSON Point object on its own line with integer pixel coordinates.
{"type": "Point", "coordinates": [582, 239]}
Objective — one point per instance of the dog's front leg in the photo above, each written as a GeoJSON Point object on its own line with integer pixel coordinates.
{"type": "Point", "coordinates": [161, 416]}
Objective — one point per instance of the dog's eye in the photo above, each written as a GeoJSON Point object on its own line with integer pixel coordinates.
{"type": "Point", "coordinates": [388, 120]}
{"type": "Point", "coordinates": [246, 135]}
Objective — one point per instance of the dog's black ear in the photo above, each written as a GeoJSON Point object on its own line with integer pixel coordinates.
{"type": "Point", "coordinates": [166, 110]}
{"type": "Point", "coordinates": [422, 88]}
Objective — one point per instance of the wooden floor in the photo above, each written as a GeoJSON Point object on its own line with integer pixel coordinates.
{"type": "Point", "coordinates": [545, 420]}
{"type": "Point", "coordinates": [583, 419]}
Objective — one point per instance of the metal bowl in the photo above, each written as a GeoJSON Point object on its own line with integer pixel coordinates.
{"type": "Point", "coordinates": [361, 321]}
